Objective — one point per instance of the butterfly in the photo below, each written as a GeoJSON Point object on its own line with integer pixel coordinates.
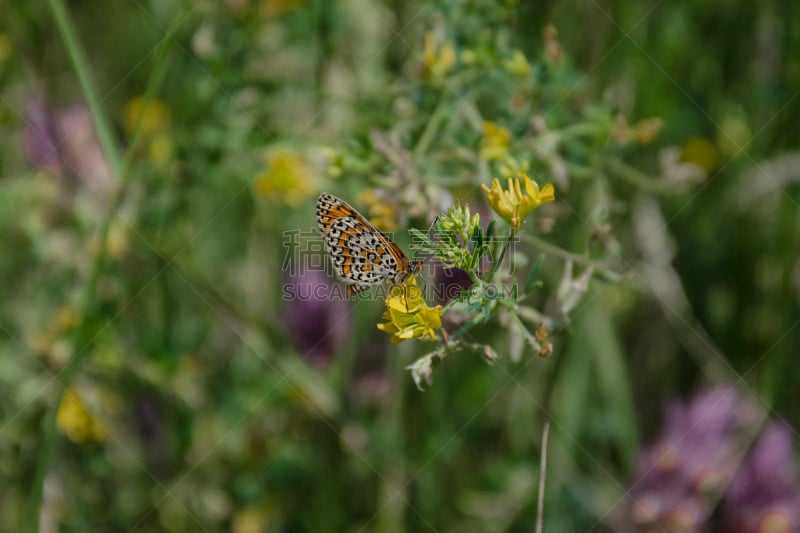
{"type": "Point", "coordinates": [363, 256]}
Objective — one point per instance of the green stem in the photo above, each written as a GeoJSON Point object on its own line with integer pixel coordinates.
{"type": "Point", "coordinates": [639, 179]}
{"type": "Point", "coordinates": [555, 250]}
{"type": "Point", "coordinates": [80, 64]}
{"type": "Point", "coordinates": [580, 130]}
{"type": "Point", "coordinates": [432, 128]}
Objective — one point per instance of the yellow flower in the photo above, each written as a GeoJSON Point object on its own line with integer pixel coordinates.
{"type": "Point", "coordinates": [518, 65]}
{"type": "Point", "coordinates": [153, 119]}
{"type": "Point", "coordinates": [287, 178]}
{"type": "Point", "coordinates": [496, 141]}
{"type": "Point", "coordinates": [438, 60]}
{"type": "Point", "coordinates": [407, 314]}
{"type": "Point", "coordinates": [382, 215]}
{"type": "Point", "coordinates": [152, 116]}
{"type": "Point", "coordinates": [552, 47]}
{"type": "Point", "coordinates": [647, 129]}
{"type": "Point", "coordinates": [77, 422]}
{"type": "Point", "coordinates": [701, 152]}
{"type": "Point", "coordinates": [513, 205]}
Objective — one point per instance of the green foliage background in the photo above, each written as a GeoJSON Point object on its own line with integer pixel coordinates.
{"type": "Point", "coordinates": [212, 419]}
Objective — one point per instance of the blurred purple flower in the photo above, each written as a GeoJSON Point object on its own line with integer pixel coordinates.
{"type": "Point", "coordinates": [764, 496]}
{"type": "Point", "coordinates": [41, 137]}
{"type": "Point", "coordinates": [695, 463]}
{"type": "Point", "coordinates": [317, 315]}
{"type": "Point", "coordinates": [680, 477]}
{"type": "Point", "coordinates": [63, 141]}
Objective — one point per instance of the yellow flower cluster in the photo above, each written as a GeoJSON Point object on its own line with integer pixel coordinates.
{"type": "Point", "coordinates": [287, 177]}
{"type": "Point", "coordinates": [513, 205]}
{"type": "Point", "coordinates": [408, 316]}
{"type": "Point", "coordinates": [77, 422]}
{"type": "Point", "coordinates": [495, 142]}
{"type": "Point", "coordinates": [438, 59]}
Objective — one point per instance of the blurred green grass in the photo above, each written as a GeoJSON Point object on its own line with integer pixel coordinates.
{"type": "Point", "coordinates": [213, 422]}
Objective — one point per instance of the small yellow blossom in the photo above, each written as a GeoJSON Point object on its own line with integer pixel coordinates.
{"type": "Point", "coordinates": [77, 422]}
{"type": "Point", "coordinates": [552, 48]}
{"type": "Point", "coordinates": [153, 119]}
{"type": "Point", "coordinates": [408, 316]}
{"type": "Point", "coordinates": [513, 205]}
{"type": "Point", "coordinates": [701, 152]}
{"type": "Point", "coordinates": [543, 338]}
{"type": "Point", "coordinates": [66, 318]}
{"type": "Point", "coordinates": [518, 65]}
{"type": "Point", "coordinates": [287, 178]}
{"type": "Point", "coordinates": [251, 520]}
{"type": "Point", "coordinates": [160, 149]}
{"type": "Point", "coordinates": [621, 130]}
{"type": "Point", "coordinates": [151, 116]}
{"type": "Point", "coordinates": [495, 142]}
{"type": "Point", "coordinates": [648, 129]}
{"type": "Point", "coordinates": [438, 59]}
{"type": "Point", "coordinates": [643, 132]}
{"type": "Point", "coordinates": [382, 215]}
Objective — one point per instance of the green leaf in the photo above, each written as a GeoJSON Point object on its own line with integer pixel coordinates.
{"type": "Point", "coordinates": [532, 277]}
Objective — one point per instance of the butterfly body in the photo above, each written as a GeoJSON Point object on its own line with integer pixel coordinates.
{"type": "Point", "coordinates": [362, 255]}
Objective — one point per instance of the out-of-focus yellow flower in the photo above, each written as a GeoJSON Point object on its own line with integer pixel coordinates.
{"type": "Point", "coordinates": [250, 520]}
{"type": "Point", "coordinates": [647, 129]}
{"type": "Point", "coordinates": [552, 48]}
{"type": "Point", "coordinates": [513, 205]}
{"type": "Point", "coordinates": [77, 422]}
{"type": "Point", "coordinates": [66, 318]}
{"type": "Point", "coordinates": [438, 59]}
{"type": "Point", "coordinates": [543, 338]}
{"type": "Point", "coordinates": [154, 120]}
{"type": "Point", "coordinates": [151, 116]}
{"type": "Point", "coordinates": [518, 65]}
{"type": "Point", "coordinates": [382, 215]}
{"type": "Point", "coordinates": [408, 316]}
{"type": "Point", "coordinates": [495, 142]}
{"type": "Point", "coordinates": [287, 178]}
{"type": "Point", "coordinates": [621, 130]}
{"type": "Point", "coordinates": [642, 132]}
{"type": "Point", "coordinates": [700, 152]}
{"type": "Point", "coordinates": [160, 149]}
